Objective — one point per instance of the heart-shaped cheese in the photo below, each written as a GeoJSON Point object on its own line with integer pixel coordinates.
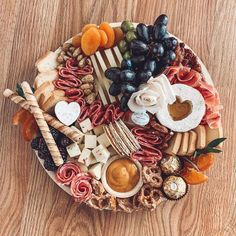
{"type": "Point", "coordinates": [67, 113]}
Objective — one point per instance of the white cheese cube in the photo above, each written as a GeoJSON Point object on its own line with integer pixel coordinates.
{"type": "Point", "coordinates": [73, 150]}
{"type": "Point", "coordinates": [90, 141]}
{"type": "Point", "coordinates": [86, 125]}
{"type": "Point", "coordinates": [101, 153]}
{"type": "Point", "coordinates": [96, 171]}
{"type": "Point", "coordinates": [102, 139]}
{"type": "Point", "coordinates": [86, 157]}
{"type": "Point", "coordinates": [83, 167]}
{"type": "Point", "coordinates": [98, 130]}
{"type": "Point", "coordinates": [79, 132]}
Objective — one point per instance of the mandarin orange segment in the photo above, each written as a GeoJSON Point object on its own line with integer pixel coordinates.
{"type": "Point", "coordinates": [88, 26]}
{"type": "Point", "coordinates": [29, 128]}
{"type": "Point", "coordinates": [76, 41]}
{"type": "Point", "coordinates": [193, 176]}
{"type": "Point", "coordinates": [104, 38]}
{"type": "Point", "coordinates": [119, 35]}
{"type": "Point", "coordinates": [204, 161]}
{"type": "Point", "coordinates": [20, 116]}
{"type": "Point", "coordinates": [109, 32]}
{"type": "Point", "coordinates": [90, 41]}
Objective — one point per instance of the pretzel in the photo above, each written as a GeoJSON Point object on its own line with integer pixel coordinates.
{"type": "Point", "coordinates": [67, 131]}
{"type": "Point", "coordinates": [152, 176]}
{"type": "Point", "coordinates": [42, 124]}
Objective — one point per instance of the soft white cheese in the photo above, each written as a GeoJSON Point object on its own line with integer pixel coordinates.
{"type": "Point", "coordinates": [101, 153]}
{"type": "Point", "coordinates": [73, 150]}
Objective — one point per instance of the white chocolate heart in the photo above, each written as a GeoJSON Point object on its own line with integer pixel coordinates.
{"type": "Point", "coordinates": [67, 113]}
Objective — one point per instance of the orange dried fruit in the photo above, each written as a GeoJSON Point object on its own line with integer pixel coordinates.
{"type": "Point", "coordinates": [204, 161]}
{"type": "Point", "coordinates": [104, 38]}
{"type": "Point", "coordinates": [29, 128]}
{"type": "Point", "coordinates": [76, 40]}
{"type": "Point", "coordinates": [88, 26]}
{"type": "Point", "coordinates": [119, 35]}
{"type": "Point", "coordinates": [109, 32]}
{"type": "Point", "coordinates": [90, 41]}
{"type": "Point", "coordinates": [193, 176]}
{"type": "Point", "coordinates": [20, 116]}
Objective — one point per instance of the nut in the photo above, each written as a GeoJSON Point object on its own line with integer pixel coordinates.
{"type": "Point", "coordinates": [71, 49]}
{"type": "Point", "coordinates": [86, 86]}
{"type": "Point", "coordinates": [60, 59]}
{"type": "Point", "coordinates": [79, 57]}
{"type": "Point", "coordinates": [87, 79]}
{"type": "Point", "coordinates": [87, 91]}
{"type": "Point", "coordinates": [76, 52]}
{"type": "Point", "coordinates": [90, 98]}
{"type": "Point", "coordinates": [69, 53]}
{"type": "Point", "coordinates": [66, 46]}
{"type": "Point", "coordinates": [82, 62]}
{"type": "Point", "coordinates": [88, 62]}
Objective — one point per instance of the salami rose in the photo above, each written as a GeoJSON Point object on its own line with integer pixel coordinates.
{"type": "Point", "coordinates": [67, 172]}
{"type": "Point", "coordinates": [81, 188]}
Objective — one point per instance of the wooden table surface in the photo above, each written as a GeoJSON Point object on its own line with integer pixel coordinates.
{"type": "Point", "coordinates": [30, 203]}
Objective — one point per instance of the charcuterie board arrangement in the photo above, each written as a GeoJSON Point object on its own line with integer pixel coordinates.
{"type": "Point", "coordinates": [122, 116]}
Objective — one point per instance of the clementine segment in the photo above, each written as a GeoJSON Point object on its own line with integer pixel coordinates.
{"type": "Point", "coordinates": [193, 176]}
{"type": "Point", "coordinates": [20, 116]}
{"type": "Point", "coordinates": [204, 161]}
{"type": "Point", "coordinates": [29, 128]}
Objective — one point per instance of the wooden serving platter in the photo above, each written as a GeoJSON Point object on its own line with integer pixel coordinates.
{"type": "Point", "coordinates": [102, 60]}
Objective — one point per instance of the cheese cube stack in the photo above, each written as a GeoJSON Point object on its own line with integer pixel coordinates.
{"type": "Point", "coordinates": [101, 153]}
{"type": "Point", "coordinates": [73, 150]}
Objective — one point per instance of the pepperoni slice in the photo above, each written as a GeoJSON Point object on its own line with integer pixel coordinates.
{"type": "Point", "coordinates": [95, 107]}
{"type": "Point", "coordinates": [84, 113]}
{"type": "Point", "coordinates": [81, 188]}
{"type": "Point", "coordinates": [67, 172]}
{"type": "Point", "coordinates": [98, 119]}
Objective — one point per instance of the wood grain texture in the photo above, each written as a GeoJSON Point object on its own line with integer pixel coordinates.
{"type": "Point", "coordinates": [30, 203]}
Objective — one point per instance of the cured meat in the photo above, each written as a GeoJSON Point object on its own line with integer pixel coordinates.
{"type": "Point", "coordinates": [74, 94]}
{"type": "Point", "coordinates": [67, 172]}
{"type": "Point", "coordinates": [81, 188]}
{"type": "Point", "coordinates": [188, 76]}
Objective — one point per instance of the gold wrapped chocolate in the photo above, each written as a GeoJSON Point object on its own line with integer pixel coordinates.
{"type": "Point", "coordinates": [175, 187]}
{"type": "Point", "coordinates": [170, 165]}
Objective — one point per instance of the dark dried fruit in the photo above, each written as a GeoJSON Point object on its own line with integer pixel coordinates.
{"type": "Point", "coordinates": [114, 89]}
{"type": "Point", "coordinates": [123, 102]}
{"type": "Point", "coordinates": [126, 64]}
{"type": "Point", "coordinates": [127, 76]}
{"type": "Point", "coordinates": [113, 74]}
{"type": "Point", "coordinates": [137, 60]}
{"type": "Point", "coordinates": [161, 19]}
{"type": "Point", "coordinates": [159, 32]}
{"type": "Point", "coordinates": [138, 47]}
{"type": "Point", "coordinates": [65, 141]}
{"type": "Point", "coordinates": [157, 50]}
{"type": "Point", "coordinates": [144, 76]}
{"type": "Point", "coordinates": [142, 33]}
{"type": "Point", "coordinates": [127, 88]}
{"type": "Point", "coordinates": [170, 43]}
{"type": "Point", "coordinates": [150, 65]}
{"type": "Point", "coordinates": [49, 165]}
{"type": "Point", "coordinates": [55, 133]}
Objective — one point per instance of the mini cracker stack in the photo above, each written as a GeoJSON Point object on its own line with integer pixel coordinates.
{"type": "Point", "coordinates": [42, 124]}
{"type": "Point", "coordinates": [69, 132]}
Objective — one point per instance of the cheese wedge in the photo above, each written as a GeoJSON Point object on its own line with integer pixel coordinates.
{"type": "Point", "coordinates": [47, 62]}
{"type": "Point", "coordinates": [45, 77]}
{"type": "Point", "coordinates": [96, 171]}
{"type": "Point", "coordinates": [45, 88]}
{"type": "Point", "coordinates": [201, 136]}
{"type": "Point", "coordinates": [51, 102]}
{"type": "Point", "coordinates": [184, 144]}
{"type": "Point", "coordinates": [192, 143]}
{"type": "Point", "coordinates": [174, 144]}
{"type": "Point", "coordinates": [212, 134]}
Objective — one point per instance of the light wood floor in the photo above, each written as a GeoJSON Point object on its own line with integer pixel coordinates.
{"type": "Point", "coordinates": [30, 203]}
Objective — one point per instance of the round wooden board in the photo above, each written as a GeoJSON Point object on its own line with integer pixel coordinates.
{"type": "Point", "coordinates": [117, 24]}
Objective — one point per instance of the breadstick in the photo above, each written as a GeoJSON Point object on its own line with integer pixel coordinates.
{"type": "Point", "coordinates": [42, 124]}
{"type": "Point", "coordinates": [70, 133]}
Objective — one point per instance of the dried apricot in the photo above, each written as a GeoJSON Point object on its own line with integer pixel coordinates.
{"type": "Point", "coordinates": [76, 40]}
{"type": "Point", "coordinates": [119, 35]}
{"type": "Point", "coordinates": [204, 161]}
{"type": "Point", "coordinates": [90, 41]}
{"type": "Point", "coordinates": [88, 26]}
{"type": "Point", "coordinates": [109, 32]}
{"type": "Point", "coordinates": [29, 128]}
{"type": "Point", "coordinates": [104, 38]}
{"type": "Point", "coordinates": [20, 116]}
{"type": "Point", "coordinates": [193, 176]}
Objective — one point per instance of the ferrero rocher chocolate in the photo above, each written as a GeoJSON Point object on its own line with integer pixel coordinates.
{"type": "Point", "coordinates": [174, 187]}
{"type": "Point", "coordinates": [170, 165]}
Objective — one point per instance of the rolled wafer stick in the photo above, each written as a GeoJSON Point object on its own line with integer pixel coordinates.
{"type": "Point", "coordinates": [67, 131]}
{"type": "Point", "coordinates": [42, 124]}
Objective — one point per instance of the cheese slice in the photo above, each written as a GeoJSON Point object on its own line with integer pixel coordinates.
{"type": "Point", "coordinates": [174, 144]}
{"type": "Point", "coordinates": [184, 144]}
{"type": "Point", "coordinates": [45, 88]}
{"type": "Point", "coordinates": [212, 134]}
{"type": "Point", "coordinates": [192, 143]}
{"type": "Point", "coordinates": [201, 136]}
{"type": "Point", "coordinates": [96, 171]}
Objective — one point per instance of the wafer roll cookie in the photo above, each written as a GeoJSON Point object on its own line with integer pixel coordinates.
{"type": "Point", "coordinates": [70, 133]}
{"type": "Point", "coordinates": [43, 126]}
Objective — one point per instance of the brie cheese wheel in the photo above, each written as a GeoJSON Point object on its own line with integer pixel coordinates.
{"type": "Point", "coordinates": [191, 121]}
